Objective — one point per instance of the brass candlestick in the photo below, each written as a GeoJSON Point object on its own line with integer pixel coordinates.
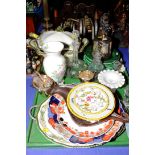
{"type": "Point", "coordinates": [46, 24]}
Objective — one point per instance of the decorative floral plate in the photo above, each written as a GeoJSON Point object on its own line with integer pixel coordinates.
{"type": "Point", "coordinates": [56, 129]}
{"type": "Point", "coordinates": [60, 114]}
{"type": "Point", "coordinates": [90, 101]}
{"type": "Point", "coordinates": [112, 79]}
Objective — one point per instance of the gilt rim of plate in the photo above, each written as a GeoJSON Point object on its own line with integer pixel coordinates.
{"type": "Point", "coordinates": [92, 118]}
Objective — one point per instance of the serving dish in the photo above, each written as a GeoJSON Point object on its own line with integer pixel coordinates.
{"type": "Point", "coordinates": [58, 111]}
{"type": "Point", "coordinates": [51, 127]}
{"type": "Point", "coordinates": [86, 75]}
{"type": "Point", "coordinates": [111, 78]}
{"type": "Point", "coordinates": [90, 101]}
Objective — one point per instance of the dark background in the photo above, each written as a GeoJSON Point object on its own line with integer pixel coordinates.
{"type": "Point", "coordinates": [104, 5]}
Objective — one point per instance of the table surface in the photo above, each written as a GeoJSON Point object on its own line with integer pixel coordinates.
{"type": "Point", "coordinates": [30, 95]}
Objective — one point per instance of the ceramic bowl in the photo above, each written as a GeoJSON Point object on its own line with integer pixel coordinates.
{"type": "Point", "coordinates": [112, 79]}
{"type": "Point", "coordinates": [86, 75]}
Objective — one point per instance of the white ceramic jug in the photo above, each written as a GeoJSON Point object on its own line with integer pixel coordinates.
{"type": "Point", "coordinates": [54, 63]}
{"type": "Point", "coordinates": [51, 43]}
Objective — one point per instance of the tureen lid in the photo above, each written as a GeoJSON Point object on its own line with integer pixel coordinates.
{"type": "Point", "coordinates": [54, 36]}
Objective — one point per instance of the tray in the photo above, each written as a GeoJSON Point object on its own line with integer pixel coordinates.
{"type": "Point", "coordinates": [35, 138]}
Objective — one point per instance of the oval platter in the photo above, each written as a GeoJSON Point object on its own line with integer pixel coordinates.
{"type": "Point", "coordinates": [54, 124]}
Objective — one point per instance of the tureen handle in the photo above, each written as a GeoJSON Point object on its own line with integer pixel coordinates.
{"type": "Point", "coordinates": [85, 42]}
{"type": "Point", "coordinates": [34, 44]}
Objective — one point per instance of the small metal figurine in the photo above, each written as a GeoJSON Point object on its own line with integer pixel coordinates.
{"type": "Point", "coordinates": [105, 23]}
{"type": "Point", "coordinates": [104, 43]}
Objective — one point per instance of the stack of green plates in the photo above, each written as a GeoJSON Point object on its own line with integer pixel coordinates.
{"type": "Point", "coordinates": [108, 63]}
